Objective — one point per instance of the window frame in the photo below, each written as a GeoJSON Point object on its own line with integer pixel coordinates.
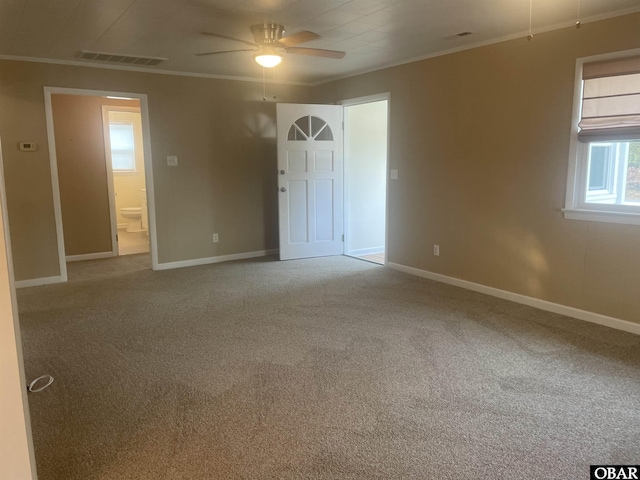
{"type": "Point", "coordinates": [576, 206]}
{"type": "Point", "coordinates": [296, 130]}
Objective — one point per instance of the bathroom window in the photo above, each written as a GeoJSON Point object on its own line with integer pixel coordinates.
{"type": "Point", "coordinates": [123, 150]}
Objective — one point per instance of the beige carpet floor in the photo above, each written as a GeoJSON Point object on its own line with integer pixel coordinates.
{"type": "Point", "coordinates": [327, 368]}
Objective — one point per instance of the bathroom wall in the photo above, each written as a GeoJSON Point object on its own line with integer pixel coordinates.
{"type": "Point", "coordinates": [82, 171]}
{"type": "Point", "coordinates": [127, 185]}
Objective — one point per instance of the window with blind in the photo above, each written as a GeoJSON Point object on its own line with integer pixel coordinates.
{"type": "Point", "coordinates": [606, 176]}
{"type": "Point", "coordinates": [123, 148]}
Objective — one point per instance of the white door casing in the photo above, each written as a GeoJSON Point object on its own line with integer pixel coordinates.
{"type": "Point", "coordinates": [53, 165]}
{"type": "Point", "coordinates": [110, 187]}
{"type": "Point", "coordinates": [310, 180]}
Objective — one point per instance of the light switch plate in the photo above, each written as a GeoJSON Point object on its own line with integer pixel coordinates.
{"type": "Point", "coordinates": [394, 174]}
{"type": "Point", "coordinates": [27, 146]}
{"type": "Point", "coordinates": [172, 161]}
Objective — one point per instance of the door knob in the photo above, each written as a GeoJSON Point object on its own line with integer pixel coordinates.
{"type": "Point", "coordinates": [281, 172]}
{"type": "Point", "coordinates": [282, 189]}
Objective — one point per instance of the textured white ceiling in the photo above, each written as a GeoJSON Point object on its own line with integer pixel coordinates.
{"type": "Point", "coordinates": [374, 33]}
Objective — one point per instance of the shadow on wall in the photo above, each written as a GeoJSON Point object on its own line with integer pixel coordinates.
{"type": "Point", "coordinates": [260, 144]}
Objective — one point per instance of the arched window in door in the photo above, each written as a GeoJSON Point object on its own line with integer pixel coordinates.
{"type": "Point", "coordinates": [310, 127]}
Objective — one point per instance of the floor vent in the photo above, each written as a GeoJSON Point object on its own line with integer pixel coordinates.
{"type": "Point", "coordinates": [122, 59]}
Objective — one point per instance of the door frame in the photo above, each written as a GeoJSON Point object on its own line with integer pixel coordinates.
{"type": "Point", "coordinates": [13, 373]}
{"type": "Point", "coordinates": [148, 168]}
{"type": "Point", "coordinates": [113, 212]}
{"type": "Point", "coordinates": [378, 97]}
{"type": "Point", "coordinates": [110, 187]}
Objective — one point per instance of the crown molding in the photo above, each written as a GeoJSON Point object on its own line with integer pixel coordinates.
{"type": "Point", "coordinates": [77, 63]}
{"type": "Point", "coordinates": [506, 38]}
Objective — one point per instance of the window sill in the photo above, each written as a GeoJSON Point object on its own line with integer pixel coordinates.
{"type": "Point", "coordinates": [602, 216]}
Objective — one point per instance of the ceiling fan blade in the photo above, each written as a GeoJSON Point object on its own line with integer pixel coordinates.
{"type": "Point", "coordinates": [297, 38]}
{"type": "Point", "coordinates": [229, 38]}
{"type": "Point", "coordinates": [316, 52]}
{"type": "Point", "coordinates": [226, 51]}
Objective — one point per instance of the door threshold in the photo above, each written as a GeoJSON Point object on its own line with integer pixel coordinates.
{"type": "Point", "coordinates": [377, 258]}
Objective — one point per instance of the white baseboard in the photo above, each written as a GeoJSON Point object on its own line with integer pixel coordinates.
{"type": "Point", "coordinates": [209, 260]}
{"type": "Point", "coordinates": [365, 251]}
{"type": "Point", "coordinates": [89, 256]}
{"type": "Point", "coordinates": [35, 282]}
{"type": "Point", "coordinates": [612, 322]}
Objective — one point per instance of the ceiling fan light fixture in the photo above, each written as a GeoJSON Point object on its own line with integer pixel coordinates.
{"type": "Point", "coordinates": [270, 46]}
{"type": "Point", "coordinates": [267, 60]}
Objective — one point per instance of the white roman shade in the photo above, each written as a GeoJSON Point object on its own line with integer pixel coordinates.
{"type": "Point", "coordinates": [610, 100]}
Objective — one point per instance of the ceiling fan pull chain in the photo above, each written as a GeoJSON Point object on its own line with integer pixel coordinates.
{"type": "Point", "coordinates": [273, 80]}
{"type": "Point", "coordinates": [530, 36]}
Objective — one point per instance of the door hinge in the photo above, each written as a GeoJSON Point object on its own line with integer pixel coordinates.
{"type": "Point", "coordinates": [117, 237]}
{"type": "Point", "coordinates": [343, 237]}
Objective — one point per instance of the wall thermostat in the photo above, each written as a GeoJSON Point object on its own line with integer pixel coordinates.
{"type": "Point", "coordinates": [27, 146]}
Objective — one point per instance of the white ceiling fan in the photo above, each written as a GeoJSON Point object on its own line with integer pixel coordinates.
{"type": "Point", "coordinates": [270, 45]}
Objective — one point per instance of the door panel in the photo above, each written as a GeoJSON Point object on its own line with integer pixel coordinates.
{"type": "Point", "coordinates": [298, 211]}
{"type": "Point", "coordinates": [324, 211]}
{"type": "Point", "coordinates": [324, 161]}
{"type": "Point", "coordinates": [297, 162]}
{"type": "Point", "coordinates": [310, 180]}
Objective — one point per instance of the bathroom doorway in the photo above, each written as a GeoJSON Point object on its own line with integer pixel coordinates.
{"type": "Point", "coordinates": [124, 154]}
{"type": "Point", "coordinates": [99, 147]}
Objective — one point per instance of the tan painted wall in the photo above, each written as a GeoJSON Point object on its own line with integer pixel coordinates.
{"type": "Point", "coordinates": [480, 139]}
{"type": "Point", "coordinates": [16, 447]}
{"type": "Point", "coordinates": [481, 142]}
{"type": "Point", "coordinates": [221, 131]}
{"type": "Point", "coordinates": [28, 176]}
{"type": "Point", "coordinates": [82, 171]}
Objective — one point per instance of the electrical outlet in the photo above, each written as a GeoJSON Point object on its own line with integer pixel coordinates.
{"type": "Point", "coordinates": [172, 161]}
{"type": "Point", "coordinates": [436, 250]}
{"type": "Point", "coordinates": [215, 238]}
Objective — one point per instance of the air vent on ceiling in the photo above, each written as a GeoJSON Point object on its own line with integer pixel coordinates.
{"type": "Point", "coordinates": [122, 59]}
{"type": "Point", "coordinates": [463, 34]}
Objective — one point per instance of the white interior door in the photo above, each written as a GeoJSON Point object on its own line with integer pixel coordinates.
{"type": "Point", "coordinates": [310, 180]}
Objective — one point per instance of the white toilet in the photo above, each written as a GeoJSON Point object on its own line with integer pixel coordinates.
{"type": "Point", "coordinates": [134, 218]}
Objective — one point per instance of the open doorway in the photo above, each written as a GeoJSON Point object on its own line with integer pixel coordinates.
{"type": "Point", "coordinates": [365, 153]}
{"type": "Point", "coordinates": [101, 165]}
{"type": "Point", "coordinates": [124, 154]}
